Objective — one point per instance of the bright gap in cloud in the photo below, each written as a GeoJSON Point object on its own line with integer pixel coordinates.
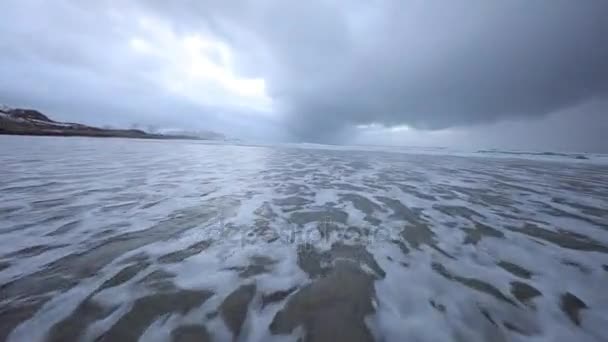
{"type": "Point", "coordinates": [200, 67]}
{"type": "Point", "coordinates": [210, 59]}
{"type": "Point", "coordinates": [377, 134]}
{"type": "Point", "coordinates": [376, 126]}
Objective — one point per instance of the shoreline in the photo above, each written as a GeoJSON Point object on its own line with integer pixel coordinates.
{"type": "Point", "coordinates": [98, 135]}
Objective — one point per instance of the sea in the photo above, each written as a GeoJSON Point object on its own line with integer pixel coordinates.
{"type": "Point", "coordinates": [105, 239]}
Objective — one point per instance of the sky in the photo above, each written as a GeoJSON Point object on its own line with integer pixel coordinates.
{"type": "Point", "coordinates": [515, 74]}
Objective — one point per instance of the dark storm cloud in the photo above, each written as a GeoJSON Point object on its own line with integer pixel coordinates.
{"type": "Point", "coordinates": [426, 64]}
{"type": "Point", "coordinates": [332, 65]}
{"type": "Point", "coordinates": [431, 64]}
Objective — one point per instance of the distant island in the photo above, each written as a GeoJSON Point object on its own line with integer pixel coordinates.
{"type": "Point", "coordinates": [17, 121]}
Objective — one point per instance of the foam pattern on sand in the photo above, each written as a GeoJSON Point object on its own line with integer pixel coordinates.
{"type": "Point", "coordinates": [111, 240]}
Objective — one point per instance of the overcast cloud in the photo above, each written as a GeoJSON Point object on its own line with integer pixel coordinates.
{"type": "Point", "coordinates": [518, 74]}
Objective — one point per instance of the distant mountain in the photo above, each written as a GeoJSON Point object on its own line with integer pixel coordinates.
{"type": "Point", "coordinates": [18, 121]}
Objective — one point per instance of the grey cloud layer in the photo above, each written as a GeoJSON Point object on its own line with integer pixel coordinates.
{"type": "Point", "coordinates": [428, 64]}
{"type": "Point", "coordinates": [330, 65]}
{"type": "Point", "coordinates": [72, 59]}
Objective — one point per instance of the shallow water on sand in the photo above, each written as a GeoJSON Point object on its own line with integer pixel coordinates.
{"type": "Point", "coordinates": [119, 240]}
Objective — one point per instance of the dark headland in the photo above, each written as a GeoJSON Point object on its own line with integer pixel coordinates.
{"type": "Point", "coordinates": [16, 121]}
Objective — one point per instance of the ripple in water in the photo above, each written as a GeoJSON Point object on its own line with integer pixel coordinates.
{"type": "Point", "coordinates": [120, 240]}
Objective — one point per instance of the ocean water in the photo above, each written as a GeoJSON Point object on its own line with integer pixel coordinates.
{"type": "Point", "coordinates": [120, 240]}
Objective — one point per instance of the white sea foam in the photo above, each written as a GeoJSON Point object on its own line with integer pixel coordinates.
{"type": "Point", "coordinates": [79, 212]}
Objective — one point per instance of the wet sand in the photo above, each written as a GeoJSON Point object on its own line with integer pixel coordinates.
{"type": "Point", "coordinates": [179, 241]}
